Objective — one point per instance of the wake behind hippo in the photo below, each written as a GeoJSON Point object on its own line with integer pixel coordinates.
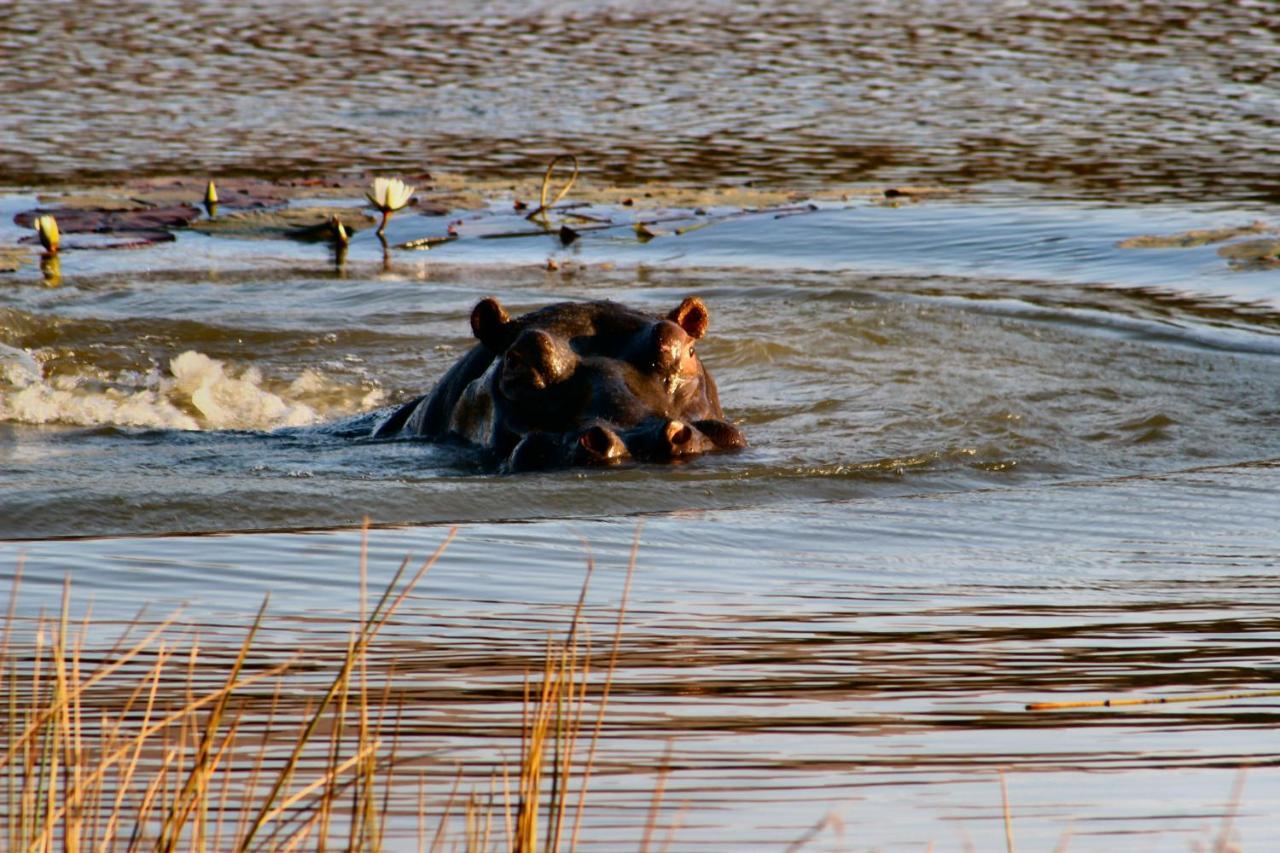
{"type": "Point", "coordinates": [576, 384]}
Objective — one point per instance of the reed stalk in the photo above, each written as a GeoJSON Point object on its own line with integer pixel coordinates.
{"type": "Point", "coordinates": [163, 740]}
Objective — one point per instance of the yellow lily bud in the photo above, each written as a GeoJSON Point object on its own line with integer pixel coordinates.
{"type": "Point", "coordinates": [340, 235]}
{"type": "Point", "coordinates": [47, 229]}
{"type": "Point", "coordinates": [210, 195]}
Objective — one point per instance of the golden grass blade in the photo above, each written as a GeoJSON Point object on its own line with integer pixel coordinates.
{"type": "Point", "coordinates": [566, 731]}
{"type": "Point", "coordinates": [175, 716]}
{"type": "Point", "coordinates": [148, 798]}
{"type": "Point", "coordinates": [11, 615]}
{"type": "Point", "coordinates": [370, 629]}
{"type": "Point", "coordinates": [267, 730]}
{"type": "Point", "coordinates": [676, 822]}
{"type": "Point", "coordinates": [384, 810]}
{"type": "Point", "coordinates": [75, 823]}
{"type": "Point", "coordinates": [224, 754]}
{"type": "Point", "coordinates": [122, 785]}
{"type": "Point", "coordinates": [307, 790]}
{"type": "Point", "coordinates": [294, 841]}
{"type": "Point", "coordinates": [829, 819]}
{"type": "Point", "coordinates": [1008, 814]}
{"type": "Point", "coordinates": [99, 675]}
{"type": "Point", "coordinates": [652, 822]}
{"type": "Point", "coordinates": [422, 810]}
{"type": "Point", "coordinates": [1224, 843]}
{"type": "Point", "coordinates": [198, 778]}
{"type": "Point", "coordinates": [506, 809]}
{"type": "Point", "coordinates": [448, 809]}
{"type": "Point", "coordinates": [608, 684]}
{"type": "Point", "coordinates": [335, 751]}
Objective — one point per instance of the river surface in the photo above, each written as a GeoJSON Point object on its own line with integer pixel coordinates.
{"type": "Point", "coordinates": [997, 457]}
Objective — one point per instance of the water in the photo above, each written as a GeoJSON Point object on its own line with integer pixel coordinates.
{"type": "Point", "coordinates": [1148, 101]}
{"type": "Point", "coordinates": [995, 456]}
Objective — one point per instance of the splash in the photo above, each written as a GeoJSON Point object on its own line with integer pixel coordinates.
{"type": "Point", "coordinates": [197, 393]}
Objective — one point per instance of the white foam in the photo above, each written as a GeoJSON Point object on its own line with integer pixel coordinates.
{"type": "Point", "coordinates": [197, 393]}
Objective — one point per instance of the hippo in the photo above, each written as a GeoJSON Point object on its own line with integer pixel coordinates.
{"type": "Point", "coordinates": [576, 384]}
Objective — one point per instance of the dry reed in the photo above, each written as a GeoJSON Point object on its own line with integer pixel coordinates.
{"type": "Point", "coordinates": [164, 742]}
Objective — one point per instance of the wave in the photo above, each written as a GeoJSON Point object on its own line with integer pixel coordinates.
{"type": "Point", "coordinates": [192, 392]}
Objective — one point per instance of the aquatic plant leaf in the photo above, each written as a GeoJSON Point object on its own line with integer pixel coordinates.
{"type": "Point", "coordinates": [97, 220]}
{"type": "Point", "coordinates": [295, 223]}
{"type": "Point", "coordinates": [108, 239]}
{"type": "Point", "coordinates": [233, 193]}
{"type": "Point", "coordinates": [1191, 239]}
{"type": "Point", "coordinates": [1252, 254]}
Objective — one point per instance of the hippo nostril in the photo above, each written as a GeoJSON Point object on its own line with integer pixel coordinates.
{"type": "Point", "coordinates": [595, 440]}
{"type": "Point", "coordinates": [602, 445]}
{"type": "Point", "coordinates": [678, 434]}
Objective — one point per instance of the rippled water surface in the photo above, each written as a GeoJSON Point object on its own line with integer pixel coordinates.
{"type": "Point", "coordinates": [1143, 100]}
{"type": "Point", "coordinates": [998, 455]}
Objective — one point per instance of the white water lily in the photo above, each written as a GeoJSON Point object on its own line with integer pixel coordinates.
{"type": "Point", "coordinates": [47, 229]}
{"type": "Point", "coordinates": [388, 195]}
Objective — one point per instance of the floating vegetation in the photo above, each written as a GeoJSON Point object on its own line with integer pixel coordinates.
{"type": "Point", "coordinates": [1194, 238]}
{"type": "Point", "coordinates": [108, 227]}
{"type": "Point", "coordinates": [310, 224]}
{"type": "Point", "coordinates": [1252, 254]}
{"type": "Point", "coordinates": [143, 212]}
{"type": "Point", "coordinates": [113, 221]}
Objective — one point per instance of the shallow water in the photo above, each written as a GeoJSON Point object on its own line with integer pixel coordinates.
{"type": "Point", "coordinates": [995, 457]}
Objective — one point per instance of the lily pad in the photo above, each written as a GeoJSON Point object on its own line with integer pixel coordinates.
{"type": "Point", "coordinates": [233, 193]}
{"type": "Point", "coordinates": [12, 258]}
{"type": "Point", "coordinates": [97, 220]}
{"type": "Point", "coordinates": [1191, 239]}
{"type": "Point", "coordinates": [1252, 254]}
{"type": "Point", "coordinates": [111, 240]}
{"type": "Point", "coordinates": [294, 223]}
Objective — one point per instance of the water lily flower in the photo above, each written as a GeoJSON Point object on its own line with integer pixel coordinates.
{"type": "Point", "coordinates": [210, 197]}
{"type": "Point", "coordinates": [388, 195]}
{"type": "Point", "coordinates": [47, 229]}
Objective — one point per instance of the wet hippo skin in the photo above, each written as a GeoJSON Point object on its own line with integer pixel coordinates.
{"type": "Point", "coordinates": [576, 384]}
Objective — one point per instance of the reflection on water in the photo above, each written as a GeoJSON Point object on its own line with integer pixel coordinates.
{"type": "Point", "coordinates": [1093, 100]}
{"type": "Point", "coordinates": [870, 658]}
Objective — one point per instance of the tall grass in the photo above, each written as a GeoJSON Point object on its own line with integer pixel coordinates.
{"type": "Point", "coordinates": [164, 742]}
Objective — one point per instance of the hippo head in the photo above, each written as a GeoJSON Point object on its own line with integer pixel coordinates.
{"type": "Point", "coordinates": [580, 384]}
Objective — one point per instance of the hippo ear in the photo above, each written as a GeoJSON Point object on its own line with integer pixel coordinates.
{"type": "Point", "coordinates": [692, 316]}
{"type": "Point", "coordinates": [490, 324]}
